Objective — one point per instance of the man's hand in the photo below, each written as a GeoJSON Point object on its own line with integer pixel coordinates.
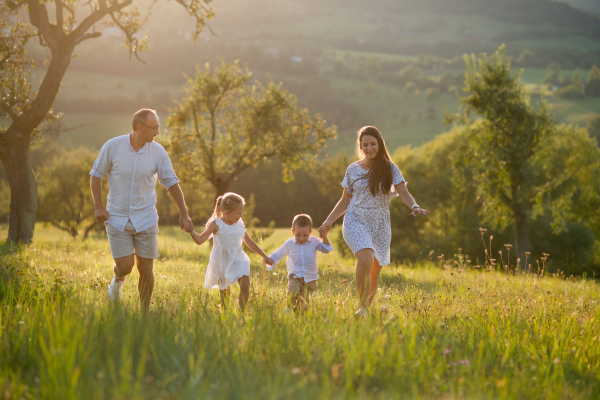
{"type": "Point", "coordinates": [186, 224]}
{"type": "Point", "coordinates": [101, 214]}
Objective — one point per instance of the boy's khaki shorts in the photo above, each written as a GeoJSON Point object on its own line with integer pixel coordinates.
{"type": "Point", "coordinates": [297, 286]}
{"type": "Point", "coordinates": [144, 244]}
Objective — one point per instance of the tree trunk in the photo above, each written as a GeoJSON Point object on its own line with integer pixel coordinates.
{"type": "Point", "coordinates": [521, 232]}
{"type": "Point", "coordinates": [222, 187]}
{"type": "Point", "coordinates": [23, 191]}
{"type": "Point", "coordinates": [14, 148]}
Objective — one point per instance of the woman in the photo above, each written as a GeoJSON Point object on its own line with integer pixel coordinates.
{"type": "Point", "coordinates": [369, 185]}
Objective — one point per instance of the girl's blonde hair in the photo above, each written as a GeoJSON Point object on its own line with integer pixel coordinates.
{"type": "Point", "coordinates": [227, 202]}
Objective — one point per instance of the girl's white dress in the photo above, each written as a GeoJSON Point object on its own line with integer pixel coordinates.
{"type": "Point", "coordinates": [367, 220]}
{"type": "Point", "coordinates": [227, 262]}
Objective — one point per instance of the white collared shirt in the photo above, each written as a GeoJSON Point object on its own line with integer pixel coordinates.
{"type": "Point", "coordinates": [301, 258]}
{"type": "Point", "coordinates": [132, 181]}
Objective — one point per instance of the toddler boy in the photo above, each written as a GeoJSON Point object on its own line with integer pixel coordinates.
{"type": "Point", "coordinates": [302, 268]}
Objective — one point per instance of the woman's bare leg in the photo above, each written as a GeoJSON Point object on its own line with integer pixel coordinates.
{"type": "Point", "coordinates": [364, 264]}
{"type": "Point", "coordinates": [375, 270]}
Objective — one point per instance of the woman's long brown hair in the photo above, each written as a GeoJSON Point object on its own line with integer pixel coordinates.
{"type": "Point", "coordinates": [380, 174]}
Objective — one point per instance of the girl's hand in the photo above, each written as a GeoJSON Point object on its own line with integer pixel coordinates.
{"type": "Point", "coordinates": [324, 229]}
{"type": "Point", "coordinates": [418, 210]}
{"type": "Point", "coordinates": [268, 260]}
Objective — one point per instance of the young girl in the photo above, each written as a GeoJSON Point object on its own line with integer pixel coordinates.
{"type": "Point", "coordinates": [228, 263]}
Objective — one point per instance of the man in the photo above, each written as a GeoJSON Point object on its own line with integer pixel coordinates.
{"type": "Point", "coordinates": [132, 163]}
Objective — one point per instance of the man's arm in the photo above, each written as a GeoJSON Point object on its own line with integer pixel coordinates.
{"type": "Point", "coordinates": [96, 187]}
{"type": "Point", "coordinates": [185, 221]}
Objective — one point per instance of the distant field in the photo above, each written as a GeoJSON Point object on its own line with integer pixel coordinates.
{"type": "Point", "coordinates": [404, 118]}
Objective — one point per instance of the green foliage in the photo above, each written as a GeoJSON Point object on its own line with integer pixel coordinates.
{"type": "Point", "coordinates": [571, 92]}
{"type": "Point", "coordinates": [593, 127]}
{"type": "Point", "coordinates": [567, 167]}
{"type": "Point", "coordinates": [553, 74]}
{"type": "Point", "coordinates": [222, 126]}
{"type": "Point", "coordinates": [592, 87]}
{"type": "Point", "coordinates": [454, 220]}
{"type": "Point", "coordinates": [64, 192]}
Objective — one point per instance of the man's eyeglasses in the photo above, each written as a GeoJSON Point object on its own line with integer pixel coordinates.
{"type": "Point", "coordinates": [154, 128]}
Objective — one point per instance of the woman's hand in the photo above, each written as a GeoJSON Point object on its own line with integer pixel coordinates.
{"type": "Point", "coordinates": [324, 229]}
{"type": "Point", "coordinates": [418, 210]}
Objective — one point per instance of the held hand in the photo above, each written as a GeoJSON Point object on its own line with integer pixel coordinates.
{"type": "Point", "coordinates": [324, 229]}
{"type": "Point", "coordinates": [418, 210]}
{"type": "Point", "coordinates": [102, 215]}
{"type": "Point", "coordinates": [186, 224]}
{"type": "Point", "coordinates": [269, 261]}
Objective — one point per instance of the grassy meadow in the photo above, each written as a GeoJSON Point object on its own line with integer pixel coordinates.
{"type": "Point", "coordinates": [439, 330]}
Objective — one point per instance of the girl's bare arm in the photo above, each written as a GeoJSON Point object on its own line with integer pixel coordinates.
{"type": "Point", "coordinates": [255, 248]}
{"type": "Point", "coordinates": [201, 238]}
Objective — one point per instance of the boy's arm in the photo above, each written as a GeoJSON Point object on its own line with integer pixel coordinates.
{"type": "Point", "coordinates": [277, 255]}
{"type": "Point", "coordinates": [255, 248]}
{"type": "Point", "coordinates": [201, 238]}
{"type": "Point", "coordinates": [324, 246]}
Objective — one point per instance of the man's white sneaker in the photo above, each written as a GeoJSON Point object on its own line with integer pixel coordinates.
{"type": "Point", "coordinates": [287, 311]}
{"type": "Point", "coordinates": [115, 289]}
{"type": "Point", "coordinates": [361, 314]}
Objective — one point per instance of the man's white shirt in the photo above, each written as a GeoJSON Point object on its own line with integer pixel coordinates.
{"type": "Point", "coordinates": [301, 258]}
{"type": "Point", "coordinates": [132, 181]}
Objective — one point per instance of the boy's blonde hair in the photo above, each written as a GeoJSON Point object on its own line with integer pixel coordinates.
{"type": "Point", "coordinates": [226, 203]}
{"type": "Point", "coordinates": [302, 220]}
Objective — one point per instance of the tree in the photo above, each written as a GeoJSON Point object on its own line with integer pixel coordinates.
{"type": "Point", "coordinates": [593, 127]}
{"type": "Point", "coordinates": [592, 87]}
{"type": "Point", "coordinates": [553, 75]}
{"type": "Point", "coordinates": [502, 143]}
{"type": "Point", "coordinates": [223, 126]}
{"type": "Point", "coordinates": [64, 189]}
{"type": "Point", "coordinates": [73, 22]}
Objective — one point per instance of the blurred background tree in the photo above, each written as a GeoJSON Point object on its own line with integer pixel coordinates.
{"type": "Point", "coordinates": [64, 192]}
{"type": "Point", "coordinates": [224, 125]}
{"type": "Point", "coordinates": [502, 143]}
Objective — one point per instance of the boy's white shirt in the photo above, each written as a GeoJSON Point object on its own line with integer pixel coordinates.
{"type": "Point", "coordinates": [301, 258]}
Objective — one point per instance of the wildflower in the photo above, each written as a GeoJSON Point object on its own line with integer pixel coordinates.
{"type": "Point", "coordinates": [508, 246]}
{"type": "Point", "coordinates": [464, 362]}
{"type": "Point", "coordinates": [482, 230]}
{"type": "Point", "coordinates": [446, 352]}
{"type": "Point", "coordinates": [452, 364]}
{"type": "Point", "coordinates": [296, 371]}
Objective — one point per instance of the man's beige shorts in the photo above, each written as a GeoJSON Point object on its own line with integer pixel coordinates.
{"type": "Point", "coordinates": [297, 286]}
{"type": "Point", "coordinates": [144, 244]}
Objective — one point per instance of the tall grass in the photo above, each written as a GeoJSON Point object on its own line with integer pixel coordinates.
{"type": "Point", "coordinates": [433, 333]}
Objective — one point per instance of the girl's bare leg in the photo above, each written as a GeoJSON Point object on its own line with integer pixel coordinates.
{"type": "Point", "coordinates": [244, 282]}
{"type": "Point", "coordinates": [224, 298]}
{"type": "Point", "coordinates": [364, 263]}
{"type": "Point", "coordinates": [375, 270]}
